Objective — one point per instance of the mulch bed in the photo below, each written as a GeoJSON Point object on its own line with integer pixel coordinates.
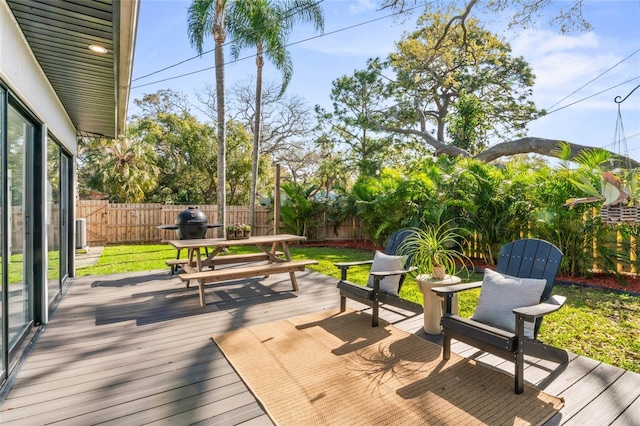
{"type": "Point", "coordinates": [630, 284]}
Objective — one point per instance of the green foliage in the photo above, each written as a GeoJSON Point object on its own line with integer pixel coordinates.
{"type": "Point", "coordinates": [362, 147]}
{"type": "Point", "coordinates": [498, 203]}
{"type": "Point", "coordinates": [186, 157]}
{"type": "Point", "coordinates": [467, 125]}
{"type": "Point", "coordinates": [239, 166]}
{"type": "Point", "coordinates": [436, 245]}
{"type": "Point", "coordinates": [168, 156]}
{"type": "Point", "coordinates": [398, 199]}
{"type": "Point", "coordinates": [123, 168]}
{"type": "Point", "coordinates": [300, 210]}
{"type": "Point", "coordinates": [439, 63]}
{"type": "Point", "coordinates": [571, 230]}
{"type": "Point", "coordinates": [374, 202]}
{"type": "Point", "coordinates": [494, 200]}
{"type": "Point", "coordinates": [266, 25]}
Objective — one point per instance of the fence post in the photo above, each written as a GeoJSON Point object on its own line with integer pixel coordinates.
{"type": "Point", "coordinates": [276, 202]}
{"type": "Point", "coordinates": [633, 245]}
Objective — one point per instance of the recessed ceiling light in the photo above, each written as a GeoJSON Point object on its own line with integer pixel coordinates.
{"type": "Point", "coordinates": [98, 49]}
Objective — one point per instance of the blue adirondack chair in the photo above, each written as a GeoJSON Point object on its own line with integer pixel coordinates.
{"type": "Point", "coordinates": [375, 294]}
{"type": "Point", "coordinates": [526, 258]}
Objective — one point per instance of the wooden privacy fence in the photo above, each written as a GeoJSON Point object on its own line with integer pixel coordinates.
{"type": "Point", "coordinates": [111, 223]}
{"type": "Point", "coordinates": [138, 223]}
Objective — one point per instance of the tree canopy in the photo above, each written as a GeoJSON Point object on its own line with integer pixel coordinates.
{"type": "Point", "coordinates": [521, 13]}
{"type": "Point", "coordinates": [454, 85]}
{"type": "Point", "coordinates": [348, 128]}
{"type": "Point", "coordinates": [169, 156]}
{"type": "Point", "coordinates": [435, 68]}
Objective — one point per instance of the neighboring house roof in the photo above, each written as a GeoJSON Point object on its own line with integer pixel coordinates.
{"type": "Point", "coordinates": [94, 88]}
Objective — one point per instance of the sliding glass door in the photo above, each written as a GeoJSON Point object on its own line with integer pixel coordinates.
{"type": "Point", "coordinates": [65, 218]}
{"type": "Point", "coordinates": [4, 348]}
{"type": "Point", "coordinates": [53, 216]}
{"type": "Point", "coordinates": [57, 202]}
{"type": "Point", "coordinates": [20, 137]}
{"type": "Point", "coordinates": [35, 208]}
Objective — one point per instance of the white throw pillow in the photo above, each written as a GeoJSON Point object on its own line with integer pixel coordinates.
{"type": "Point", "coordinates": [384, 262]}
{"type": "Point", "coordinates": [500, 294]}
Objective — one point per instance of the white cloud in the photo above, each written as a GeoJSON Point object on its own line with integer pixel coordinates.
{"type": "Point", "coordinates": [538, 43]}
{"type": "Point", "coordinates": [360, 46]}
{"type": "Point", "coordinates": [569, 70]}
{"type": "Point", "coordinates": [564, 63]}
{"type": "Point", "coordinates": [360, 6]}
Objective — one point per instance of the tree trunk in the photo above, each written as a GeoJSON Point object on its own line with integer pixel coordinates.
{"type": "Point", "coordinates": [219, 37]}
{"type": "Point", "coordinates": [526, 145]}
{"type": "Point", "coordinates": [256, 138]}
{"type": "Point", "coordinates": [536, 145]}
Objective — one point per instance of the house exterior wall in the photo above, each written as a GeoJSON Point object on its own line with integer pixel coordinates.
{"type": "Point", "coordinates": [38, 152]}
{"type": "Point", "coordinates": [20, 71]}
{"type": "Point", "coordinates": [26, 92]}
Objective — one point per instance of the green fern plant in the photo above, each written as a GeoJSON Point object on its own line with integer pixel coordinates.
{"type": "Point", "coordinates": [437, 245]}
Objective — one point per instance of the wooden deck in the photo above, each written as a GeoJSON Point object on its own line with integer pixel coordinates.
{"type": "Point", "coordinates": [137, 349]}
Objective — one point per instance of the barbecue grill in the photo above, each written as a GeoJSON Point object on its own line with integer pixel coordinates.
{"type": "Point", "coordinates": [191, 224]}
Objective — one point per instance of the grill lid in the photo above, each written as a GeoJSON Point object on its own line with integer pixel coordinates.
{"type": "Point", "coordinates": [191, 215]}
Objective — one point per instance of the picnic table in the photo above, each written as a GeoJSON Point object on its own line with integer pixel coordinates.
{"type": "Point", "coordinates": [274, 249]}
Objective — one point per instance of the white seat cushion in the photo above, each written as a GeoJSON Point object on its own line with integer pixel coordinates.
{"type": "Point", "coordinates": [384, 262]}
{"type": "Point", "coordinates": [501, 294]}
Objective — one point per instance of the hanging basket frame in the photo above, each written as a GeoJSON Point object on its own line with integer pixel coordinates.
{"type": "Point", "coordinates": [620, 214]}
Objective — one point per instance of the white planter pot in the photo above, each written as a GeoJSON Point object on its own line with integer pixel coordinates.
{"type": "Point", "coordinates": [433, 305]}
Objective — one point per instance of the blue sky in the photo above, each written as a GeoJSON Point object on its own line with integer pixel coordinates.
{"type": "Point", "coordinates": [601, 60]}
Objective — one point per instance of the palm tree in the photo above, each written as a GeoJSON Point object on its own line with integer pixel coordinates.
{"type": "Point", "coordinates": [266, 25]}
{"type": "Point", "coordinates": [208, 17]}
{"type": "Point", "coordinates": [125, 170]}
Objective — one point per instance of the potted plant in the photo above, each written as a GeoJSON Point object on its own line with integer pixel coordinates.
{"type": "Point", "coordinates": [238, 231]}
{"type": "Point", "coordinates": [436, 250]}
{"type": "Point", "coordinates": [231, 232]}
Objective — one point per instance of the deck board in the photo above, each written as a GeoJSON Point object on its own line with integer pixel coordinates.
{"type": "Point", "coordinates": [606, 407]}
{"type": "Point", "coordinates": [137, 348]}
{"type": "Point", "coordinates": [630, 416]}
{"type": "Point", "coordinates": [585, 391]}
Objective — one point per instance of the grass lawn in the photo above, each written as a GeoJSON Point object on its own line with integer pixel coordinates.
{"type": "Point", "coordinates": [597, 324]}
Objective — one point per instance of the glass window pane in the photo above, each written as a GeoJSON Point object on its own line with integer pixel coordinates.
{"type": "Point", "coordinates": [19, 133]}
{"type": "Point", "coordinates": [52, 217]}
{"type": "Point", "coordinates": [3, 362]}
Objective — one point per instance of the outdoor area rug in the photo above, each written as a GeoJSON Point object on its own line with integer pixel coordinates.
{"type": "Point", "coordinates": [335, 369]}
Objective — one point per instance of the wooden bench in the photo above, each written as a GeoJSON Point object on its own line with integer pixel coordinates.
{"type": "Point", "coordinates": [175, 263]}
{"type": "Point", "coordinates": [227, 274]}
{"type": "Point", "coordinates": [223, 260]}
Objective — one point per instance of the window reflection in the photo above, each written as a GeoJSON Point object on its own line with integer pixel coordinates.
{"type": "Point", "coordinates": [53, 218]}
{"type": "Point", "coordinates": [19, 133]}
{"type": "Point", "coordinates": [2, 314]}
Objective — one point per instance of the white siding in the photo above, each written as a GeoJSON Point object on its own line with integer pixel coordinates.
{"type": "Point", "coordinates": [21, 72]}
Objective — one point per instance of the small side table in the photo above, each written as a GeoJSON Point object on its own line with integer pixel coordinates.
{"type": "Point", "coordinates": [433, 304]}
